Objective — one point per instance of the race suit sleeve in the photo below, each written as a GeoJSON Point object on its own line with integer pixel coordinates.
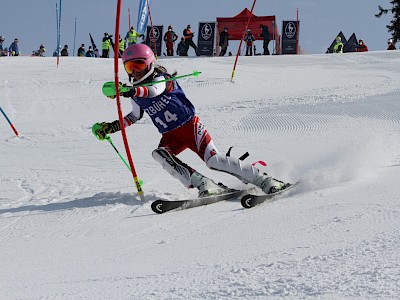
{"type": "Point", "coordinates": [135, 115]}
{"type": "Point", "coordinates": [153, 90]}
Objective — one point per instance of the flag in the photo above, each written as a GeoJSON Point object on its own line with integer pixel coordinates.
{"type": "Point", "coordinates": [95, 50]}
{"type": "Point", "coordinates": [143, 16]}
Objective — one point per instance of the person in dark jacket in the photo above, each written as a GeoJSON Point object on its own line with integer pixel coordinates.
{"type": "Point", "coordinates": [90, 52]}
{"type": "Point", "coordinates": [2, 50]}
{"type": "Point", "coordinates": [169, 38]}
{"type": "Point", "coordinates": [81, 50]}
{"type": "Point", "coordinates": [182, 49]}
{"type": "Point", "coordinates": [64, 51]}
{"type": "Point", "coordinates": [13, 49]}
{"type": "Point", "coordinates": [266, 38]}
{"type": "Point", "coordinates": [224, 41]}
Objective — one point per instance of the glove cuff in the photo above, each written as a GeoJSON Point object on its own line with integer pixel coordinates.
{"type": "Point", "coordinates": [114, 126]}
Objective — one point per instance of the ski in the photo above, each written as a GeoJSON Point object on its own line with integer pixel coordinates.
{"type": "Point", "coordinates": [250, 200]}
{"type": "Point", "coordinates": [162, 206]}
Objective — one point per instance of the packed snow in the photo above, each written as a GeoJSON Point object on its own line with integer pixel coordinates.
{"type": "Point", "coordinates": [72, 225]}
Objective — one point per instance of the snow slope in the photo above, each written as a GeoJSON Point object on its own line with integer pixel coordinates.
{"type": "Point", "coordinates": [71, 226]}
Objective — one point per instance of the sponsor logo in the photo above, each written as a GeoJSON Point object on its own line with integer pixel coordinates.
{"type": "Point", "coordinates": [290, 30]}
{"type": "Point", "coordinates": [206, 31]}
{"type": "Point", "coordinates": [154, 34]}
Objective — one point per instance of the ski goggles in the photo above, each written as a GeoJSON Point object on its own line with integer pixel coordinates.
{"type": "Point", "coordinates": [135, 65]}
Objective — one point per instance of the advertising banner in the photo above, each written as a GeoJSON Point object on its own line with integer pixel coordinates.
{"type": "Point", "coordinates": [154, 38]}
{"type": "Point", "coordinates": [205, 40]}
{"type": "Point", "coordinates": [289, 37]}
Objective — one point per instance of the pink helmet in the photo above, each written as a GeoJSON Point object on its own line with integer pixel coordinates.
{"type": "Point", "coordinates": [140, 52]}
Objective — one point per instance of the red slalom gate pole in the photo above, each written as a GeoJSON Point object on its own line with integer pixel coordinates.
{"type": "Point", "coordinates": [120, 116]}
{"type": "Point", "coordinates": [241, 41]}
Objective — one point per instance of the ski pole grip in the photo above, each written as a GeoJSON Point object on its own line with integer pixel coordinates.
{"type": "Point", "coordinates": [109, 89]}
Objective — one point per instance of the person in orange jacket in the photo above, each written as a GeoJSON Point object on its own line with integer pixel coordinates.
{"type": "Point", "coordinates": [188, 35]}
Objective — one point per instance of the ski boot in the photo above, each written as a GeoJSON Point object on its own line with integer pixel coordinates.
{"type": "Point", "coordinates": [206, 186]}
{"type": "Point", "coordinates": [268, 184]}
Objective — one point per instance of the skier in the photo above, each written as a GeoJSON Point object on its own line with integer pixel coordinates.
{"type": "Point", "coordinates": [249, 39]}
{"type": "Point", "coordinates": [174, 116]}
{"type": "Point", "coordinates": [169, 38]}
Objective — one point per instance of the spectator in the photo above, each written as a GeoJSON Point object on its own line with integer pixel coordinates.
{"type": "Point", "coordinates": [338, 47]}
{"type": "Point", "coordinates": [132, 35]}
{"type": "Point", "coordinates": [361, 47]}
{"type": "Point", "coordinates": [39, 52]}
{"type": "Point", "coordinates": [64, 51]}
{"type": "Point", "coordinates": [182, 49]}
{"type": "Point", "coordinates": [391, 45]}
{"type": "Point", "coordinates": [56, 52]}
{"type": "Point", "coordinates": [249, 39]}
{"type": "Point", "coordinates": [169, 38]}
{"type": "Point", "coordinates": [90, 52]}
{"type": "Point", "coordinates": [81, 50]}
{"type": "Point", "coordinates": [2, 50]}
{"type": "Point", "coordinates": [13, 49]}
{"type": "Point", "coordinates": [106, 45]}
{"type": "Point", "coordinates": [266, 38]}
{"type": "Point", "coordinates": [188, 36]}
{"type": "Point", "coordinates": [224, 41]}
{"type": "Point", "coordinates": [121, 46]}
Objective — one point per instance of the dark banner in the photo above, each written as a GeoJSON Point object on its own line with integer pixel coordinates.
{"type": "Point", "coordinates": [351, 44]}
{"type": "Point", "coordinates": [289, 37]}
{"type": "Point", "coordinates": [154, 38]}
{"type": "Point", "coordinates": [205, 40]}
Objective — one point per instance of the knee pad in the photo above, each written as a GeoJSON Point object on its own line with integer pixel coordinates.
{"type": "Point", "coordinates": [173, 166]}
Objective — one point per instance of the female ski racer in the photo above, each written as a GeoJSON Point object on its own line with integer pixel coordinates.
{"type": "Point", "coordinates": [174, 116]}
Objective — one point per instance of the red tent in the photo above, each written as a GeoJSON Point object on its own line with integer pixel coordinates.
{"type": "Point", "coordinates": [237, 26]}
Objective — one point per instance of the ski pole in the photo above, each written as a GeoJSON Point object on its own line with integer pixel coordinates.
{"type": "Point", "coordinates": [12, 126]}
{"type": "Point", "coordinates": [109, 87]}
{"type": "Point", "coordinates": [119, 154]}
{"type": "Point", "coordinates": [108, 138]}
{"type": "Point", "coordinates": [195, 74]}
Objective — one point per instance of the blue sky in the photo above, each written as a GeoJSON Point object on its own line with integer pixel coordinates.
{"type": "Point", "coordinates": [34, 22]}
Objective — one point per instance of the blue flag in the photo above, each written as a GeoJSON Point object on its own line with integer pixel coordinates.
{"type": "Point", "coordinates": [143, 16]}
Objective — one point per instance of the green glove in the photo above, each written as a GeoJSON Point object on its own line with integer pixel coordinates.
{"type": "Point", "coordinates": [109, 89]}
{"type": "Point", "coordinates": [100, 130]}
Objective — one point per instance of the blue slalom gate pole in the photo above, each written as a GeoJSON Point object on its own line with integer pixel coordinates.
{"type": "Point", "coordinates": [9, 122]}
